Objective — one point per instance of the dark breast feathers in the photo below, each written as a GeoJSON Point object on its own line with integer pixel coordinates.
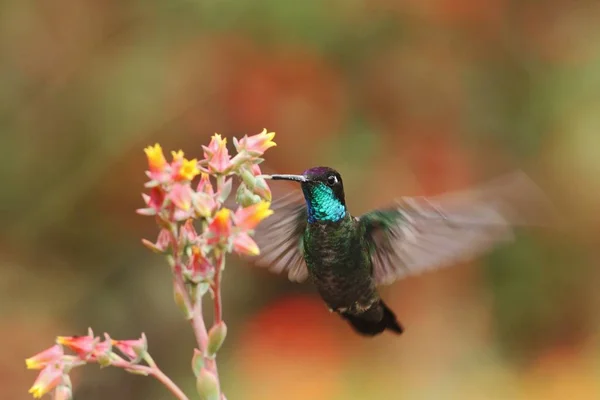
{"type": "Point", "coordinates": [339, 264]}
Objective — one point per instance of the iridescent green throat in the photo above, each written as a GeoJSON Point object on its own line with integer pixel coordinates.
{"type": "Point", "coordinates": [322, 204]}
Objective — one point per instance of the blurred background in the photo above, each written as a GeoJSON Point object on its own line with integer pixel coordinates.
{"type": "Point", "coordinates": [402, 97]}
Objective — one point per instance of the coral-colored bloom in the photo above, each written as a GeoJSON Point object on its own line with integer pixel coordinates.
{"type": "Point", "coordinates": [41, 359]}
{"type": "Point", "coordinates": [245, 245]}
{"type": "Point", "coordinates": [47, 380]}
{"type": "Point", "coordinates": [82, 345]}
{"type": "Point", "coordinates": [181, 196]}
{"type": "Point", "coordinates": [257, 144]}
{"type": "Point", "coordinates": [217, 154]}
{"type": "Point", "coordinates": [134, 349]}
{"type": "Point", "coordinates": [220, 227]}
{"type": "Point", "coordinates": [249, 217]}
{"type": "Point", "coordinates": [156, 158]}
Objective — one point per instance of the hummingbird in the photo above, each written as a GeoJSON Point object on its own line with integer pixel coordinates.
{"type": "Point", "coordinates": [312, 235]}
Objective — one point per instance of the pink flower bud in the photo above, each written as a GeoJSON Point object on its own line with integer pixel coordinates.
{"type": "Point", "coordinates": [102, 352]}
{"type": "Point", "coordinates": [200, 266]}
{"type": "Point", "coordinates": [244, 245]}
{"type": "Point", "coordinates": [257, 144]}
{"type": "Point", "coordinates": [204, 186]}
{"type": "Point", "coordinates": [47, 380]}
{"type": "Point", "coordinates": [156, 199]}
{"type": "Point", "coordinates": [217, 154]}
{"type": "Point", "coordinates": [40, 360]}
{"type": "Point", "coordinates": [134, 349]}
{"type": "Point", "coordinates": [162, 243]}
{"type": "Point", "coordinates": [181, 196]}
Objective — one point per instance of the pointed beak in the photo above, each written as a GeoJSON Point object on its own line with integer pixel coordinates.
{"type": "Point", "coordinates": [296, 178]}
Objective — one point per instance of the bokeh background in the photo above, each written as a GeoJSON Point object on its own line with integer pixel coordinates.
{"type": "Point", "coordinates": [403, 97]}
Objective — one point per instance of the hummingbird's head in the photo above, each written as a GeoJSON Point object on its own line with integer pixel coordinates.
{"type": "Point", "coordinates": [323, 191]}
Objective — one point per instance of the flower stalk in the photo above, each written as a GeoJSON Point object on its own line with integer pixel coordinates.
{"type": "Point", "coordinates": [197, 231]}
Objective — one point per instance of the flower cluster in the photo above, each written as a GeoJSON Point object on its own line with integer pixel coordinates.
{"type": "Point", "coordinates": [55, 364]}
{"type": "Point", "coordinates": [188, 198]}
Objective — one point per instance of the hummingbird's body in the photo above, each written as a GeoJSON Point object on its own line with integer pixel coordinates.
{"type": "Point", "coordinates": [339, 264]}
{"type": "Point", "coordinates": [346, 257]}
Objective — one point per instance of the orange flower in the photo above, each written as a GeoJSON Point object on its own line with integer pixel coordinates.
{"type": "Point", "coordinates": [220, 227]}
{"type": "Point", "coordinates": [177, 155]}
{"type": "Point", "coordinates": [256, 144]}
{"type": "Point", "coordinates": [249, 217]}
{"type": "Point", "coordinates": [156, 158]}
{"type": "Point", "coordinates": [217, 154]}
{"type": "Point", "coordinates": [45, 357]}
{"type": "Point", "coordinates": [47, 380]}
{"type": "Point", "coordinates": [243, 244]}
{"type": "Point", "coordinates": [82, 345]}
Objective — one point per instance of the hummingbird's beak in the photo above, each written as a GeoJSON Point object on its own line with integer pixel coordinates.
{"type": "Point", "coordinates": [296, 178]}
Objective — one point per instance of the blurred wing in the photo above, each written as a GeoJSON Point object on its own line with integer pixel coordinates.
{"type": "Point", "coordinates": [422, 233]}
{"type": "Point", "coordinates": [279, 237]}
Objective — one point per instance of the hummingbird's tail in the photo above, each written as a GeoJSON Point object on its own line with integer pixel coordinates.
{"type": "Point", "coordinates": [371, 322]}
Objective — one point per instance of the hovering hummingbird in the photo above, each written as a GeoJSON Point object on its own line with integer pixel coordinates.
{"type": "Point", "coordinates": [313, 235]}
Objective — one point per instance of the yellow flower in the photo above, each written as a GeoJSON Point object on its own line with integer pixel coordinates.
{"type": "Point", "coordinates": [156, 158]}
{"type": "Point", "coordinates": [177, 155]}
{"type": "Point", "coordinates": [189, 169]}
{"type": "Point", "coordinates": [249, 217]}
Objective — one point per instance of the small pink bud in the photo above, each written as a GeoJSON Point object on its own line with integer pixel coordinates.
{"type": "Point", "coordinates": [217, 154]}
{"type": "Point", "coordinates": [204, 186]}
{"type": "Point", "coordinates": [197, 362]}
{"type": "Point", "coordinates": [162, 243]}
{"type": "Point", "coordinates": [200, 266]}
{"type": "Point", "coordinates": [216, 337]}
{"type": "Point", "coordinates": [103, 351]}
{"type": "Point", "coordinates": [134, 349]}
{"type": "Point", "coordinates": [47, 380]}
{"type": "Point", "coordinates": [207, 385]}
{"type": "Point", "coordinates": [262, 188]}
{"type": "Point", "coordinates": [40, 360]}
{"type": "Point", "coordinates": [156, 199]}
{"type": "Point", "coordinates": [257, 144]}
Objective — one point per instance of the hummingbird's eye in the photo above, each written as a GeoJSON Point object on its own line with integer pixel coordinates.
{"type": "Point", "coordinates": [332, 180]}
